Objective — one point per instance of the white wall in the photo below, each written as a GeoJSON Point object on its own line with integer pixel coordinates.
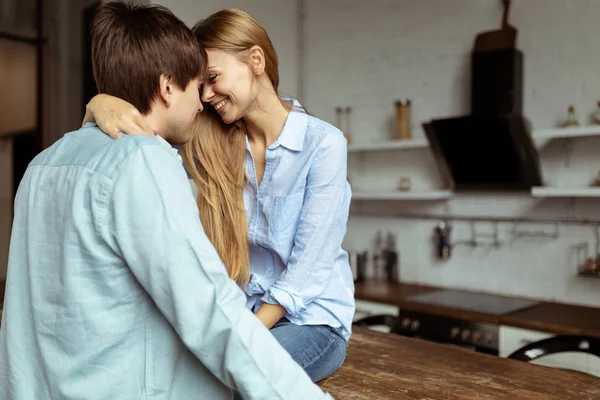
{"type": "Point", "coordinates": [368, 54]}
{"type": "Point", "coordinates": [278, 18]}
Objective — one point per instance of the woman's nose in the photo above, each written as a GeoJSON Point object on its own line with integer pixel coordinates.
{"type": "Point", "coordinates": [207, 93]}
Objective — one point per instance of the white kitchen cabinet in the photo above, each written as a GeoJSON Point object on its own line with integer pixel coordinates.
{"type": "Point", "coordinates": [594, 366]}
{"type": "Point", "coordinates": [512, 339]}
{"type": "Point", "coordinates": [367, 308]}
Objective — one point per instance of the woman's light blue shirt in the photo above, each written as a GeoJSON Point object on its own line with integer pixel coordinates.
{"type": "Point", "coordinates": [297, 220]}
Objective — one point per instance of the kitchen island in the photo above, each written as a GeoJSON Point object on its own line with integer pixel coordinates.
{"type": "Point", "coordinates": [382, 366]}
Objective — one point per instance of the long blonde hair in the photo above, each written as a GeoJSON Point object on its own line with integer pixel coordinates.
{"type": "Point", "coordinates": [215, 160]}
{"type": "Point", "coordinates": [215, 154]}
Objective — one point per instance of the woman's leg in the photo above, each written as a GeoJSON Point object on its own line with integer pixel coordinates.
{"type": "Point", "coordinates": [319, 349]}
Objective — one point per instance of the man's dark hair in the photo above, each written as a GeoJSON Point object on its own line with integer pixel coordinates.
{"type": "Point", "coordinates": [132, 45]}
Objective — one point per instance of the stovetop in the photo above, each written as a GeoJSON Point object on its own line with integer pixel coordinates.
{"type": "Point", "coordinates": [475, 302]}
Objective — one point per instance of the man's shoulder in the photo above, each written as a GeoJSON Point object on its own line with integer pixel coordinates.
{"type": "Point", "coordinates": [90, 148]}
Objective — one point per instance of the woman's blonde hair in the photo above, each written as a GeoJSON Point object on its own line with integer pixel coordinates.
{"type": "Point", "coordinates": [215, 154]}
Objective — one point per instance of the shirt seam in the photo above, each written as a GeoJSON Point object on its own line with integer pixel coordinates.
{"type": "Point", "coordinates": [86, 167]}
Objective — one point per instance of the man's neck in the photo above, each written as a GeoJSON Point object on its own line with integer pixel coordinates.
{"type": "Point", "coordinates": [155, 122]}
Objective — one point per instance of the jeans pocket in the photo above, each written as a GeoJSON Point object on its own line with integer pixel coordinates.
{"type": "Point", "coordinates": [284, 213]}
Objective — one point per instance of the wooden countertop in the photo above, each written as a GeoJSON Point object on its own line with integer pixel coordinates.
{"type": "Point", "coordinates": [383, 366]}
{"type": "Point", "coordinates": [550, 317]}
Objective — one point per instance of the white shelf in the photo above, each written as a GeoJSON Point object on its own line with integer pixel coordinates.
{"type": "Point", "coordinates": [571, 132]}
{"type": "Point", "coordinates": [389, 145]}
{"type": "Point", "coordinates": [549, 191]}
{"type": "Point", "coordinates": [408, 195]}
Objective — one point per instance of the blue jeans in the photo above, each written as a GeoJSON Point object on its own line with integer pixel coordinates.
{"type": "Point", "coordinates": [319, 349]}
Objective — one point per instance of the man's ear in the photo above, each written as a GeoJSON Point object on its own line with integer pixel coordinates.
{"type": "Point", "coordinates": [257, 60]}
{"type": "Point", "coordinates": [166, 89]}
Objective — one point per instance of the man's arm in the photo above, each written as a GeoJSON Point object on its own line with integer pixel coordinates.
{"type": "Point", "coordinates": [157, 230]}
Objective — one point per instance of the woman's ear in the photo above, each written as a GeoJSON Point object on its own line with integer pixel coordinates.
{"type": "Point", "coordinates": [257, 60]}
{"type": "Point", "coordinates": [166, 89]}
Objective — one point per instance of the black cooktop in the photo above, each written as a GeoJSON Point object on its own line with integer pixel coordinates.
{"type": "Point", "coordinates": [475, 302]}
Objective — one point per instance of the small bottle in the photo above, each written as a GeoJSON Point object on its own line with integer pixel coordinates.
{"type": "Point", "coordinates": [443, 246]}
{"type": "Point", "coordinates": [338, 118]}
{"type": "Point", "coordinates": [597, 179]}
{"type": "Point", "coordinates": [572, 119]}
{"type": "Point", "coordinates": [391, 259]}
{"type": "Point", "coordinates": [378, 256]}
{"type": "Point", "coordinates": [347, 130]}
{"type": "Point", "coordinates": [404, 184]}
{"type": "Point", "coordinates": [596, 115]}
{"type": "Point", "coordinates": [402, 124]}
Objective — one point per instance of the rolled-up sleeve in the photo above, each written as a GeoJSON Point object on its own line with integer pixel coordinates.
{"type": "Point", "coordinates": [156, 229]}
{"type": "Point", "coordinates": [320, 231]}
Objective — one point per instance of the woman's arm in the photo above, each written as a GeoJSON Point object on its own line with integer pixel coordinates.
{"type": "Point", "coordinates": [114, 115]}
{"type": "Point", "coordinates": [269, 314]}
{"type": "Point", "coordinates": [320, 231]}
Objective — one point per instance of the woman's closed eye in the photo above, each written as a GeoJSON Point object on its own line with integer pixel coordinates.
{"type": "Point", "coordinates": [212, 79]}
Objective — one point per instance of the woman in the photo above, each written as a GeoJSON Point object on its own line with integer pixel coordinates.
{"type": "Point", "coordinates": [272, 191]}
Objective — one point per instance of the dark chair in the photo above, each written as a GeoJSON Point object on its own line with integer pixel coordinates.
{"type": "Point", "coordinates": [558, 344]}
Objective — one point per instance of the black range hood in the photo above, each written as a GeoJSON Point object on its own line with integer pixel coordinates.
{"type": "Point", "coordinates": [492, 148]}
{"type": "Point", "coordinates": [485, 152]}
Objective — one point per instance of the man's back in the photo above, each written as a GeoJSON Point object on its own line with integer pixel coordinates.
{"type": "Point", "coordinates": [97, 306]}
{"type": "Point", "coordinates": [85, 316]}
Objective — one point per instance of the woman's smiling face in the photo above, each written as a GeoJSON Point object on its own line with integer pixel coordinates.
{"type": "Point", "coordinates": [230, 87]}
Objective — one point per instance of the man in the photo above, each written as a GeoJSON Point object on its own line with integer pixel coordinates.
{"type": "Point", "coordinates": [113, 289]}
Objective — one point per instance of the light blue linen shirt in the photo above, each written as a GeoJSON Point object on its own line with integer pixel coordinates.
{"type": "Point", "coordinates": [297, 220]}
{"type": "Point", "coordinates": [115, 292]}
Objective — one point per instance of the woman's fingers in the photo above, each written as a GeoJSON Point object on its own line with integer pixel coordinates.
{"type": "Point", "coordinates": [139, 125]}
{"type": "Point", "coordinates": [128, 126]}
{"type": "Point", "coordinates": [112, 131]}
{"type": "Point", "coordinates": [144, 127]}
{"type": "Point", "coordinates": [87, 118]}
{"type": "Point", "coordinates": [115, 116]}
